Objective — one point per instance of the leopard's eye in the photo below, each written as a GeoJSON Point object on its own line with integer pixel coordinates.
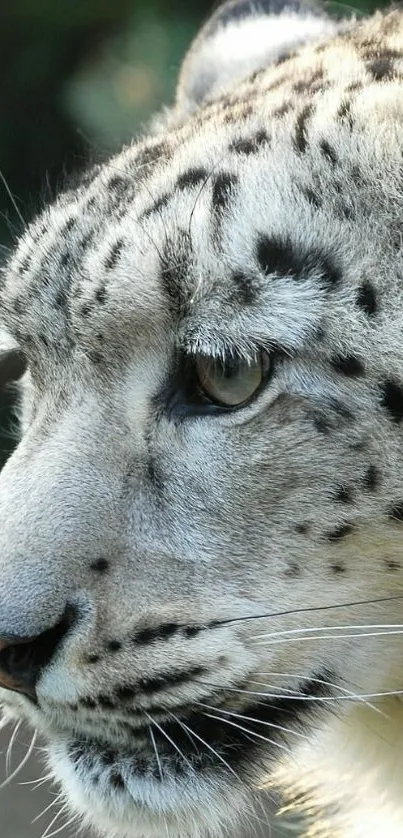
{"type": "Point", "coordinates": [232, 382]}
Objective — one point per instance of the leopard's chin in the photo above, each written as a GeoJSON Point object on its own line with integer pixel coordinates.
{"type": "Point", "coordinates": [122, 794]}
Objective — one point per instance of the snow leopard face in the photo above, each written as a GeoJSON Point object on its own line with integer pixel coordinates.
{"type": "Point", "coordinates": [200, 529]}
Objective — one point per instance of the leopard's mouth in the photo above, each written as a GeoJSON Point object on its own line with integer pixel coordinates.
{"type": "Point", "coordinates": [203, 739]}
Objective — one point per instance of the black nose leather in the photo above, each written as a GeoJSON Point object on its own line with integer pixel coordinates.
{"type": "Point", "coordinates": [22, 659]}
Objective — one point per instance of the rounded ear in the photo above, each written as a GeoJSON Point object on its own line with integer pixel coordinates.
{"type": "Point", "coordinates": [242, 36]}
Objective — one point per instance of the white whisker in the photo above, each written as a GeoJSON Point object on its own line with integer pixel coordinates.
{"type": "Point", "coordinates": [311, 630]}
{"type": "Point", "coordinates": [250, 732]}
{"type": "Point", "coordinates": [326, 682]}
{"type": "Point", "coordinates": [317, 698]}
{"type": "Point", "coordinates": [166, 735]}
{"type": "Point", "coordinates": [210, 747]}
{"type": "Point", "coordinates": [63, 826]}
{"type": "Point", "coordinates": [23, 762]}
{"type": "Point", "coordinates": [49, 806]}
{"type": "Point", "coordinates": [10, 747]}
{"type": "Point", "coordinates": [45, 834]}
{"type": "Point", "coordinates": [154, 744]}
{"type": "Point", "coordinates": [37, 780]}
{"type": "Point", "coordinates": [312, 638]}
{"type": "Point", "coordinates": [251, 719]}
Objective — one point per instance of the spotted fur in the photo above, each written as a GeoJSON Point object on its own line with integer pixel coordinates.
{"type": "Point", "coordinates": [205, 585]}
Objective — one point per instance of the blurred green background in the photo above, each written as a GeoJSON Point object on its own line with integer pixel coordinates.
{"type": "Point", "coordinates": [78, 78]}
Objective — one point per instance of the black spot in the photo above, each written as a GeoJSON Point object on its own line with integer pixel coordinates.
{"type": "Point", "coordinates": [322, 424]}
{"type": "Point", "coordinates": [193, 177]}
{"type": "Point", "coordinates": [339, 532]}
{"type": "Point", "coordinates": [87, 239]}
{"type": "Point", "coordinates": [192, 631]}
{"type": "Point", "coordinates": [114, 645]}
{"type": "Point", "coordinates": [66, 259]}
{"type": "Point", "coordinates": [341, 409]}
{"type": "Point", "coordinates": [157, 205]}
{"type": "Point", "coordinates": [357, 176]}
{"type": "Point", "coordinates": [222, 190]}
{"type": "Point", "coordinates": [349, 365]}
{"type": "Point", "coordinates": [106, 701]}
{"type": "Point", "coordinates": [125, 693]}
{"type": "Point", "coordinates": [337, 568]}
{"type": "Point", "coordinates": [43, 339]}
{"type": "Point", "coordinates": [328, 152]}
{"type": "Point", "coordinates": [392, 564]}
{"type": "Point", "coordinates": [344, 211]}
{"type": "Point", "coordinates": [300, 139]}
{"type": "Point", "coordinates": [118, 183]}
{"type": "Point", "coordinates": [86, 309]}
{"type": "Point", "coordinates": [343, 495]}
{"type": "Point", "coordinates": [372, 478]}
{"type": "Point", "coordinates": [396, 512]}
{"type": "Point", "coordinates": [162, 632]}
{"type": "Point", "coordinates": [61, 298]}
{"type": "Point", "coordinates": [281, 257]}
{"type": "Point", "coordinates": [155, 478]}
{"type": "Point", "coordinates": [108, 756]}
{"type": "Point", "coordinates": [19, 305]}
{"type": "Point", "coordinates": [95, 356]}
{"type": "Point", "coordinates": [344, 113]}
{"type": "Point", "coordinates": [68, 225]}
{"type": "Point", "coordinates": [381, 68]}
{"type": "Point", "coordinates": [282, 109]}
{"type": "Point", "coordinates": [101, 565]}
{"type": "Point", "coordinates": [171, 679]}
{"type": "Point", "coordinates": [152, 154]}
{"type": "Point", "coordinates": [87, 702]}
{"type": "Point", "coordinates": [25, 263]}
{"type": "Point", "coordinates": [292, 570]}
{"type": "Point", "coordinates": [303, 529]}
{"type": "Point", "coordinates": [309, 84]}
{"type": "Point", "coordinates": [100, 295]}
{"type": "Point", "coordinates": [311, 196]}
{"type": "Point", "coordinates": [114, 254]}
{"type": "Point", "coordinates": [392, 399]}
{"type": "Point", "coordinates": [116, 780]}
{"type": "Point", "coordinates": [366, 299]}
{"type": "Point", "coordinates": [250, 145]}
{"type": "Point", "coordinates": [244, 288]}
{"type": "Point", "coordinates": [93, 658]}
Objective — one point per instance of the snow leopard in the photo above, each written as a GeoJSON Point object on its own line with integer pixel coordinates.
{"type": "Point", "coordinates": [201, 526]}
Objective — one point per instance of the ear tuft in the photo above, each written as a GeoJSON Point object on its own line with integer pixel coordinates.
{"type": "Point", "coordinates": [242, 36]}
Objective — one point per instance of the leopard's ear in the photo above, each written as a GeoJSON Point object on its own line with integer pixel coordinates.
{"type": "Point", "coordinates": [242, 36]}
{"type": "Point", "coordinates": [12, 360]}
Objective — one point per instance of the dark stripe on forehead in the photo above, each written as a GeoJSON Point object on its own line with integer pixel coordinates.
{"type": "Point", "coordinates": [300, 132]}
{"type": "Point", "coordinates": [175, 271]}
{"type": "Point", "coordinates": [192, 177]}
{"type": "Point", "coordinates": [223, 188]}
{"type": "Point", "coordinates": [283, 258]}
{"type": "Point", "coordinates": [187, 180]}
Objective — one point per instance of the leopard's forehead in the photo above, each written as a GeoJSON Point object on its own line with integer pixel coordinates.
{"type": "Point", "coordinates": [274, 178]}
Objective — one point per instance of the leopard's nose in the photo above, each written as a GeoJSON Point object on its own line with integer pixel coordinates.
{"type": "Point", "coordinates": [22, 659]}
